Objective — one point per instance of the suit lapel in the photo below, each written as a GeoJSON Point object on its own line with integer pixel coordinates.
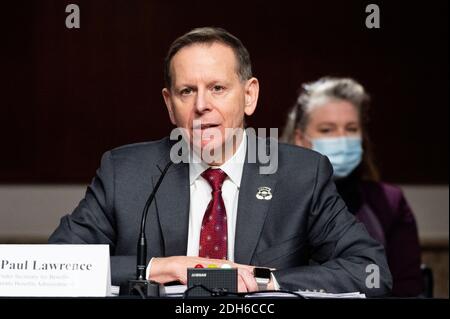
{"type": "Point", "coordinates": [173, 201]}
{"type": "Point", "coordinates": [172, 205]}
{"type": "Point", "coordinates": [251, 211]}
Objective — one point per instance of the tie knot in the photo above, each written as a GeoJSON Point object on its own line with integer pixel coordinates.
{"type": "Point", "coordinates": [215, 178]}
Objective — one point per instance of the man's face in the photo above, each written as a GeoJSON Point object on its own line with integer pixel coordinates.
{"type": "Point", "coordinates": [207, 95]}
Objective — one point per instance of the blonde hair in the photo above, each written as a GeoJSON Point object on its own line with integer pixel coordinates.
{"type": "Point", "coordinates": [322, 91]}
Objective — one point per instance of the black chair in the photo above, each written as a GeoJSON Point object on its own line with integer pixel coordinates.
{"type": "Point", "coordinates": [428, 283]}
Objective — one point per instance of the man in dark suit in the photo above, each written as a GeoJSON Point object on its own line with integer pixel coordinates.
{"type": "Point", "coordinates": [224, 208]}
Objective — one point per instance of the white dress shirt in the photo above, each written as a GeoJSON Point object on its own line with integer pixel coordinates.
{"type": "Point", "coordinates": [200, 196]}
{"type": "Point", "coordinates": [200, 192]}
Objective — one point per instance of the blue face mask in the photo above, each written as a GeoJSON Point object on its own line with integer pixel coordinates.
{"type": "Point", "coordinates": [344, 153]}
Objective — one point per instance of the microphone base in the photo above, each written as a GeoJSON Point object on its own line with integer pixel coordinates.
{"type": "Point", "coordinates": [143, 288]}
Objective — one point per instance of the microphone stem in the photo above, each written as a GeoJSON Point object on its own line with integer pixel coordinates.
{"type": "Point", "coordinates": [142, 256]}
{"type": "Point", "coordinates": [142, 242]}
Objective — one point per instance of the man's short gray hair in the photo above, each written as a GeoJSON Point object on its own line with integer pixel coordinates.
{"type": "Point", "coordinates": [210, 35]}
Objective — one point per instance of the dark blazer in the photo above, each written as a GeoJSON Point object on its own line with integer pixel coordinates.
{"type": "Point", "coordinates": [306, 220]}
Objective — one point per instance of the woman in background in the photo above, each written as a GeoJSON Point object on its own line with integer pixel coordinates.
{"type": "Point", "coordinates": [330, 117]}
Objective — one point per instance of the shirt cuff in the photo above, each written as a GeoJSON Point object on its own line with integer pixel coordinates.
{"type": "Point", "coordinates": [276, 286]}
{"type": "Point", "coordinates": [147, 271]}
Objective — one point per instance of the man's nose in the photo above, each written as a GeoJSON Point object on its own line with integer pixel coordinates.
{"type": "Point", "coordinates": [202, 103]}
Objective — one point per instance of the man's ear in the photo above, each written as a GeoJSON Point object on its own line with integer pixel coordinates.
{"type": "Point", "coordinates": [167, 99]}
{"type": "Point", "coordinates": [251, 96]}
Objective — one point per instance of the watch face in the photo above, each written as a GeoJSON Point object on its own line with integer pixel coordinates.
{"type": "Point", "coordinates": [262, 272]}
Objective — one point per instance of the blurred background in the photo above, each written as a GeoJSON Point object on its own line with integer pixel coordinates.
{"type": "Point", "coordinates": [68, 95]}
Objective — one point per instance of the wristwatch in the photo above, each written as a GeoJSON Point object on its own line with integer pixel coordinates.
{"type": "Point", "coordinates": [262, 277]}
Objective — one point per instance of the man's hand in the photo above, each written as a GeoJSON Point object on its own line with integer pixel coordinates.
{"type": "Point", "coordinates": [174, 268]}
{"type": "Point", "coordinates": [246, 281]}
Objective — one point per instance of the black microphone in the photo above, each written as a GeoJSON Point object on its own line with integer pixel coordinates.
{"type": "Point", "coordinates": [141, 286]}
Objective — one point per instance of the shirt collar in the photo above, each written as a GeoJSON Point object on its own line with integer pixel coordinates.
{"type": "Point", "coordinates": [233, 167]}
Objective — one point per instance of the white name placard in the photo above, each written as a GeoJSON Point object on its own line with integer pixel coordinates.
{"type": "Point", "coordinates": [55, 270]}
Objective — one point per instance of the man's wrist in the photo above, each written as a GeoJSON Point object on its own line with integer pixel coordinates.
{"type": "Point", "coordinates": [263, 277]}
{"type": "Point", "coordinates": [274, 285]}
{"type": "Point", "coordinates": [149, 269]}
{"type": "Point", "coordinates": [271, 285]}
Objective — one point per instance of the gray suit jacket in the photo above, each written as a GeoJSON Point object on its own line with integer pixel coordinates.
{"type": "Point", "coordinates": [304, 231]}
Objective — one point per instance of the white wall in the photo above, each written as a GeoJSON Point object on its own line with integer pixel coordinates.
{"type": "Point", "coordinates": [430, 206]}
{"type": "Point", "coordinates": [33, 211]}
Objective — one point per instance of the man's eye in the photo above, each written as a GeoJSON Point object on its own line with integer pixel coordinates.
{"type": "Point", "coordinates": [324, 130]}
{"type": "Point", "coordinates": [218, 88]}
{"type": "Point", "coordinates": [186, 91]}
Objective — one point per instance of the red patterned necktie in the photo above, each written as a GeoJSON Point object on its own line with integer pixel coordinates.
{"type": "Point", "coordinates": [213, 235]}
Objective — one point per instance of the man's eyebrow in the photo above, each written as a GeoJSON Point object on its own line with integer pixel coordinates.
{"type": "Point", "coordinates": [184, 85]}
{"type": "Point", "coordinates": [226, 82]}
